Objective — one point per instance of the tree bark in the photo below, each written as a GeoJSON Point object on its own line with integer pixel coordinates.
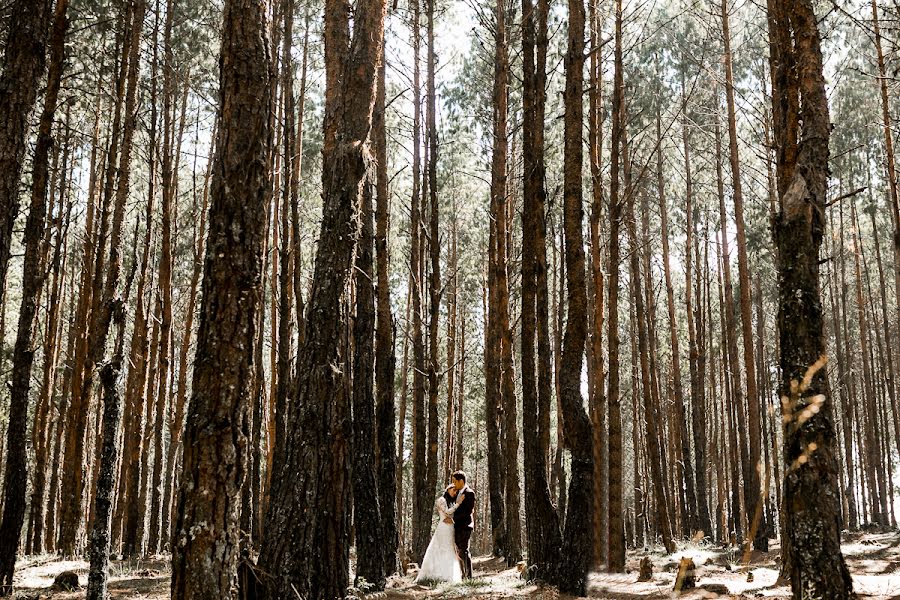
{"type": "Point", "coordinates": [32, 281]}
{"type": "Point", "coordinates": [308, 518]}
{"type": "Point", "coordinates": [434, 252]}
{"type": "Point", "coordinates": [752, 497]}
{"type": "Point", "coordinates": [366, 496]}
{"type": "Point", "coordinates": [385, 332]}
{"type": "Point", "coordinates": [544, 540]}
{"type": "Point", "coordinates": [205, 538]}
{"type": "Point", "coordinates": [23, 66]}
{"type": "Point", "coordinates": [812, 509]}
{"type": "Point", "coordinates": [512, 550]}
{"type": "Point", "coordinates": [576, 553]}
{"type": "Point", "coordinates": [422, 501]}
{"type": "Point", "coordinates": [616, 562]}
{"type": "Point", "coordinates": [100, 530]}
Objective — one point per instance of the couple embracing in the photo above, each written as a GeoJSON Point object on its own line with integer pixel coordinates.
{"type": "Point", "coordinates": [447, 557]}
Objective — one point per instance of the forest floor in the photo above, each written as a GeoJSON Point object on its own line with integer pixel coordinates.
{"type": "Point", "coordinates": [874, 560]}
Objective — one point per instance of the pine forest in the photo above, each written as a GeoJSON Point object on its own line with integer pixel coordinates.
{"type": "Point", "coordinates": [407, 299]}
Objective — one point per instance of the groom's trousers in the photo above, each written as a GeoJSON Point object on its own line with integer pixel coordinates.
{"type": "Point", "coordinates": [462, 535]}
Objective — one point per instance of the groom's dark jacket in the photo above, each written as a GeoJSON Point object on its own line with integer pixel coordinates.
{"type": "Point", "coordinates": [462, 518]}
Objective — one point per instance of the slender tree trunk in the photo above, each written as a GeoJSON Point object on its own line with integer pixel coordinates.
{"type": "Point", "coordinates": [493, 370]}
{"type": "Point", "coordinates": [308, 519]}
{"type": "Point", "coordinates": [366, 497]}
{"type": "Point", "coordinates": [889, 156]}
{"type": "Point", "coordinates": [544, 539]}
{"type": "Point", "coordinates": [99, 546]}
{"type": "Point", "coordinates": [732, 365]}
{"type": "Point", "coordinates": [41, 432]}
{"type": "Point", "coordinates": [597, 374]}
{"type": "Point", "coordinates": [500, 203]}
{"type": "Point", "coordinates": [385, 332]}
{"type": "Point", "coordinates": [752, 498]}
{"type": "Point", "coordinates": [616, 561]}
{"type": "Point", "coordinates": [685, 464]}
{"type": "Point", "coordinates": [422, 501]}
{"type": "Point", "coordinates": [696, 356]}
{"type": "Point", "coordinates": [434, 251]}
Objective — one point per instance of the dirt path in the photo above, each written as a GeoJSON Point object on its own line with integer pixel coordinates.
{"type": "Point", "coordinates": [874, 560]}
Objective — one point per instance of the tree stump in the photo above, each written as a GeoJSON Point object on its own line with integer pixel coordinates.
{"type": "Point", "coordinates": [67, 581]}
{"type": "Point", "coordinates": [646, 572]}
{"type": "Point", "coordinates": [686, 578]}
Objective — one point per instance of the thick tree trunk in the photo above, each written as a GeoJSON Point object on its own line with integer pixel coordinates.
{"type": "Point", "coordinates": [14, 480]}
{"type": "Point", "coordinates": [812, 509]}
{"type": "Point", "coordinates": [23, 66]}
{"type": "Point", "coordinates": [205, 535]}
{"type": "Point", "coordinates": [308, 519]}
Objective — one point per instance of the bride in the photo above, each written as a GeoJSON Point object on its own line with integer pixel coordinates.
{"type": "Point", "coordinates": [441, 562]}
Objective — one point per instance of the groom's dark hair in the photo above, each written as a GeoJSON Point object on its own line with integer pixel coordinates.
{"type": "Point", "coordinates": [460, 476]}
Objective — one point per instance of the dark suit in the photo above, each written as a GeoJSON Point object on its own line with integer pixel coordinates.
{"type": "Point", "coordinates": [463, 524]}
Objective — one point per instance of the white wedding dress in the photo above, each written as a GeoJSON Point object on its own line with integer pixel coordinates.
{"type": "Point", "coordinates": [441, 562]}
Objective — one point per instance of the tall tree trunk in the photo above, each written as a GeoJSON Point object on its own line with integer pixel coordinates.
{"type": "Point", "coordinates": [812, 515]}
{"type": "Point", "coordinates": [41, 432]}
{"type": "Point", "coordinates": [696, 347]}
{"type": "Point", "coordinates": [205, 535]}
{"type": "Point", "coordinates": [597, 375]}
{"type": "Point", "coordinates": [889, 154]}
{"type": "Point", "coordinates": [385, 332]}
{"type": "Point", "coordinates": [616, 561]}
{"type": "Point", "coordinates": [434, 251]}
{"type": "Point", "coordinates": [199, 236]}
{"type": "Point", "coordinates": [576, 553]}
{"type": "Point", "coordinates": [542, 524]}
{"type": "Point", "coordinates": [308, 519]}
{"type": "Point", "coordinates": [752, 497]}
{"type": "Point", "coordinates": [422, 501]}
{"type": "Point", "coordinates": [731, 364]}
{"type": "Point", "coordinates": [652, 420]}
{"type": "Point", "coordinates": [500, 209]}
{"type": "Point", "coordinates": [366, 496]}
{"type": "Point", "coordinates": [14, 481]}
{"type": "Point", "coordinates": [685, 464]}
{"type": "Point", "coordinates": [493, 351]}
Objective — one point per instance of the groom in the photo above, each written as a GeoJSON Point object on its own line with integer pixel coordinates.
{"type": "Point", "coordinates": [463, 521]}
